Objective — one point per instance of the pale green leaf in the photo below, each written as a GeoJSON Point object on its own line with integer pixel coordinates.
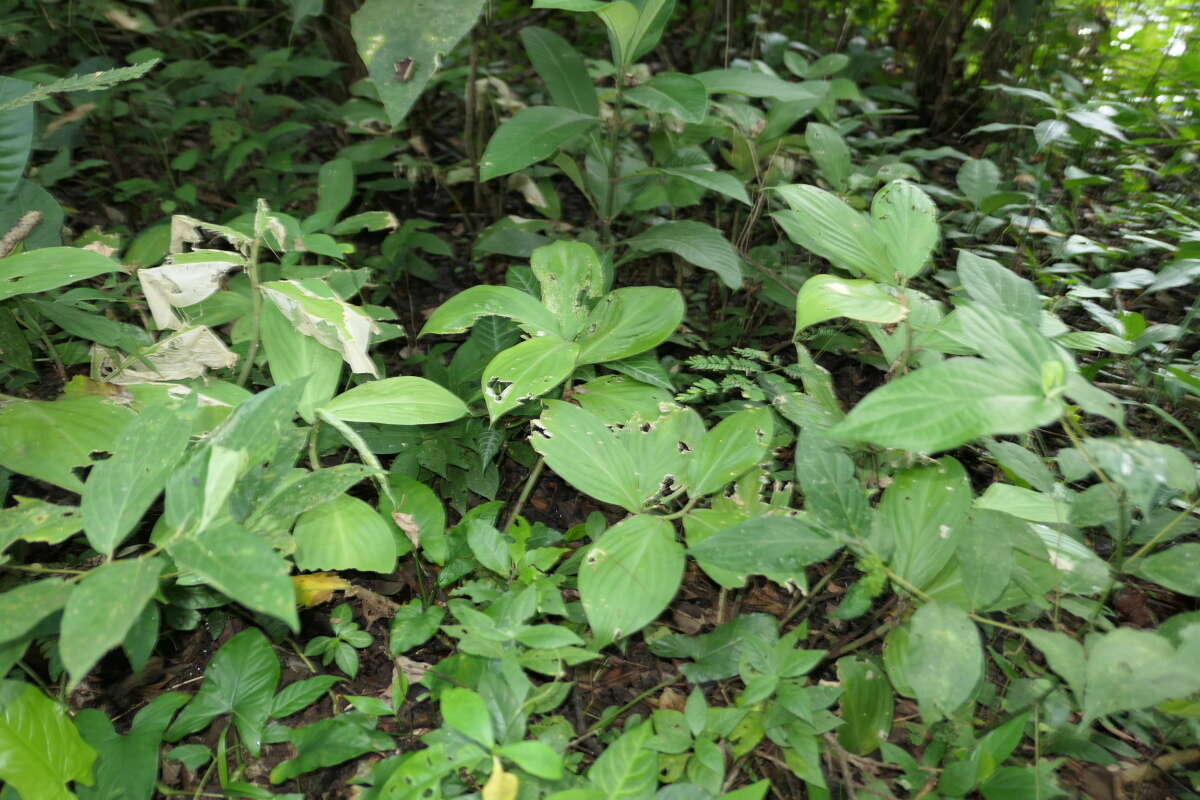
{"type": "Point", "coordinates": [673, 93]}
{"type": "Point", "coordinates": [696, 243]}
{"type": "Point", "coordinates": [821, 222]}
{"type": "Point", "coordinates": [397, 401]}
{"type": "Point", "coordinates": [40, 749]}
{"type": "Point", "coordinates": [526, 371]}
{"type": "Point", "coordinates": [906, 221]}
{"type": "Point", "coordinates": [629, 321]}
{"type": "Point", "coordinates": [735, 445]}
{"type": "Point", "coordinates": [824, 297]}
{"type": "Point", "coordinates": [532, 135]}
{"type": "Point", "coordinates": [944, 658]}
{"type": "Point", "coordinates": [461, 311]}
{"type": "Point", "coordinates": [344, 533]}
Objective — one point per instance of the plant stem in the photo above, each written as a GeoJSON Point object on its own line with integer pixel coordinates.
{"type": "Point", "coordinates": [364, 452]}
{"type": "Point", "coordinates": [526, 490]}
{"type": "Point", "coordinates": [255, 313]}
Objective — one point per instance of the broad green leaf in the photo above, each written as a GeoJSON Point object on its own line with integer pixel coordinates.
{"type": "Point", "coordinates": [824, 297]}
{"type": "Point", "coordinates": [661, 449]}
{"type": "Point", "coordinates": [720, 182]}
{"type": "Point", "coordinates": [526, 371]}
{"type": "Point", "coordinates": [49, 268]}
{"type": "Point", "coordinates": [563, 432]}
{"type": "Point", "coordinates": [735, 445]}
{"type": "Point", "coordinates": [629, 576]}
{"type": "Point", "coordinates": [948, 404]}
{"type": "Point", "coordinates": [568, 274]}
{"type": "Point", "coordinates": [629, 321]}
{"type": "Point", "coordinates": [617, 399]}
{"type": "Point", "coordinates": [335, 190]}
{"type": "Point", "coordinates": [86, 420]}
{"type": "Point", "coordinates": [92, 326]}
{"type": "Point", "coordinates": [292, 355]}
{"type": "Point", "coordinates": [766, 545]}
{"type": "Point", "coordinates": [412, 625]}
{"type": "Point", "coordinates": [1080, 570]}
{"type": "Point", "coordinates": [240, 680]}
{"type": "Point", "coordinates": [242, 565]}
{"type": "Point", "coordinates": [673, 93]}
{"type": "Point", "coordinates": [38, 521]}
{"type": "Point", "coordinates": [978, 179]}
{"type": "Point", "coordinates": [1096, 121]}
{"type": "Point", "coordinates": [344, 533]}
{"type": "Point", "coordinates": [128, 765]}
{"type": "Point", "coordinates": [924, 512]}
{"type": "Point", "coordinates": [16, 135]}
{"type": "Point", "coordinates": [532, 135]}
{"type": "Point", "coordinates": [102, 609]}
{"type": "Point", "coordinates": [1177, 568]}
{"type": "Point", "coordinates": [1049, 131]}
{"type": "Point", "coordinates": [944, 657]}
{"type": "Point", "coordinates": [121, 488]}
{"type": "Point", "coordinates": [823, 223]}
{"type": "Point", "coordinates": [315, 310]}
{"type": "Point", "coordinates": [867, 705]}
{"type": "Point", "coordinates": [390, 31]}
{"type": "Point", "coordinates": [1027, 504]}
{"type": "Point", "coordinates": [634, 28]}
{"type": "Point", "coordinates": [999, 288]}
{"type": "Point", "coordinates": [466, 712]}
{"type": "Point", "coordinates": [829, 150]}
{"type": "Point", "coordinates": [29, 196]}
{"type": "Point", "coordinates": [906, 221]}
{"type": "Point", "coordinates": [562, 69]}
{"type": "Point", "coordinates": [644, 367]}
{"type": "Point", "coordinates": [40, 749]}
{"type": "Point", "coordinates": [329, 742]}
{"type": "Point", "coordinates": [1143, 468]}
{"type": "Point", "coordinates": [301, 694]}
{"type": "Point", "coordinates": [1013, 346]}
{"type": "Point", "coordinates": [459, 313]}
{"type": "Point", "coordinates": [419, 515]}
{"type": "Point", "coordinates": [397, 401]}
{"type": "Point", "coordinates": [627, 769]}
{"type": "Point", "coordinates": [22, 608]}
{"type": "Point", "coordinates": [536, 758]}
{"type": "Point", "coordinates": [1064, 655]}
{"type": "Point", "coordinates": [760, 84]}
{"type": "Point", "coordinates": [1130, 669]}
{"type": "Point", "coordinates": [696, 243]}
{"type": "Point", "coordinates": [833, 497]}
{"type": "Point", "coordinates": [984, 550]}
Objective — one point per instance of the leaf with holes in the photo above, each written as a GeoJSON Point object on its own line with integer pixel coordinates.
{"type": "Point", "coordinates": [526, 371]}
{"type": "Point", "coordinates": [735, 445]}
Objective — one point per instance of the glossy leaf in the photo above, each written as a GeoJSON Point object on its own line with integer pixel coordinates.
{"type": "Point", "coordinates": [696, 243]}
{"type": "Point", "coordinates": [824, 297]}
{"type": "Point", "coordinates": [386, 32]}
{"type": "Point", "coordinates": [466, 712]}
{"type": "Point", "coordinates": [629, 321]}
{"type": "Point", "coordinates": [629, 576]}
{"type": "Point", "coordinates": [532, 135]}
{"type": "Point", "coordinates": [242, 565]}
{"type": "Point", "coordinates": [49, 268]}
{"type": "Point", "coordinates": [525, 372]}
{"type": "Point", "coordinates": [240, 680]}
{"type": "Point", "coordinates": [344, 533]}
{"type": "Point", "coordinates": [397, 401]}
{"type": "Point", "coordinates": [461, 311]}
{"type": "Point", "coordinates": [821, 222]}
{"type": "Point", "coordinates": [102, 609]}
{"type": "Point", "coordinates": [562, 69]}
{"type": "Point", "coordinates": [40, 749]}
{"type": "Point", "coordinates": [948, 404]}
{"type": "Point", "coordinates": [674, 93]}
{"type": "Point", "coordinates": [735, 445]}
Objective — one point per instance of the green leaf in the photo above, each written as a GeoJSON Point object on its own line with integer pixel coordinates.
{"type": "Point", "coordinates": [390, 31]}
{"type": "Point", "coordinates": [760, 84]}
{"type": "Point", "coordinates": [532, 135]}
{"type": "Point", "coordinates": [629, 321]}
{"type": "Point", "coordinates": [674, 93]}
{"type": "Point", "coordinates": [241, 680]}
{"type": "Point", "coordinates": [1177, 568]}
{"type": "Point", "coordinates": [993, 285]}
{"type": "Point", "coordinates": [568, 274]}
{"type": "Point", "coordinates": [412, 625]}
{"type": "Point", "coordinates": [24, 607]}
{"type": "Point", "coordinates": [867, 705]}
{"type": "Point", "coordinates": [978, 179]}
{"type": "Point", "coordinates": [102, 609]}
{"type": "Point", "coordinates": [466, 712]}
{"type": "Point", "coordinates": [948, 404]}
{"type": "Point", "coordinates": [1129, 669]}
{"type": "Point", "coordinates": [329, 742]}
{"type": "Point", "coordinates": [1064, 655]}
{"type": "Point", "coordinates": [120, 489]}
{"type": "Point", "coordinates": [344, 533]}
{"type": "Point", "coordinates": [526, 371]}
{"type": "Point", "coordinates": [824, 297]}
{"type": "Point", "coordinates": [906, 221]}
{"type": "Point", "coordinates": [563, 70]}
{"type": "Point", "coordinates": [459, 313]}
{"type": "Point", "coordinates": [397, 401]}
{"type": "Point", "coordinates": [274, 514]}
{"type": "Point", "coordinates": [40, 749]}
{"type": "Point", "coordinates": [735, 445]}
{"type": "Point", "coordinates": [419, 514]}
{"type": "Point", "coordinates": [720, 182]}
{"type": "Point", "coordinates": [924, 511]}
{"type": "Point", "coordinates": [301, 694]}
{"type": "Point", "coordinates": [629, 576]}
{"type": "Point", "coordinates": [128, 765]}
{"type": "Point", "coordinates": [292, 355]}
{"type": "Point", "coordinates": [1143, 468]}
{"type": "Point", "coordinates": [82, 423]}
{"type": "Point", "coordinates": [242, 565]}
{"type": "Point", "coordinates": [985, 555]}
{"type": "Point", "coordinates": [536, 758]}
{"type": "Point", "coordinates": [335, 189]}
{"type": "Point", "coordinates": [833, 497]}
{"type": "Point", "coordinates": [627, 769]}
{"type": "Point", "coordinates": [696, 243]}
{"type": "Point", "coordinates": [315, 310]}
{"type": "Point", "coordinates": [944, 658]}
{"type": "Point", "coordinates": [820, 222]}
{"type": "Point", "coordinates": [617, 399]}
{"type": "Point", "coordinates": [49, 268]}
{"type": "Point", "coordinates": [829, 150]}
{"type": "Point", "coordinates": [16, 135]}
{"type": "Point", "coordinates": [766, 545]}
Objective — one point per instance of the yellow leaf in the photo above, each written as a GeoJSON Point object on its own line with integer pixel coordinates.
{"type": "Point", "coordinates": [317, 587]}
{"type": "Point", "coordinates": [501, 785]}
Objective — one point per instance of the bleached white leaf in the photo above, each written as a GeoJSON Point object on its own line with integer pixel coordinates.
{"type": "Point", "coordinates": [186, 354]}
{"type": "Point", "coordinates": [185, 280]}
{"type": "Point", "coordinates": [316, 311]}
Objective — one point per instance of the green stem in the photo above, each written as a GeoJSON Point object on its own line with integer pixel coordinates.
{"type": "Point", "coordinates": [614, 136]}
{"type": "Point", "coordinates": [1158, 537]}
{"type": "Point", "coordinates": [255, 313]}
{"type": "Point", "coordinates": [526, 491]}
{"type": "Point", "coordinates": [364, 452]}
